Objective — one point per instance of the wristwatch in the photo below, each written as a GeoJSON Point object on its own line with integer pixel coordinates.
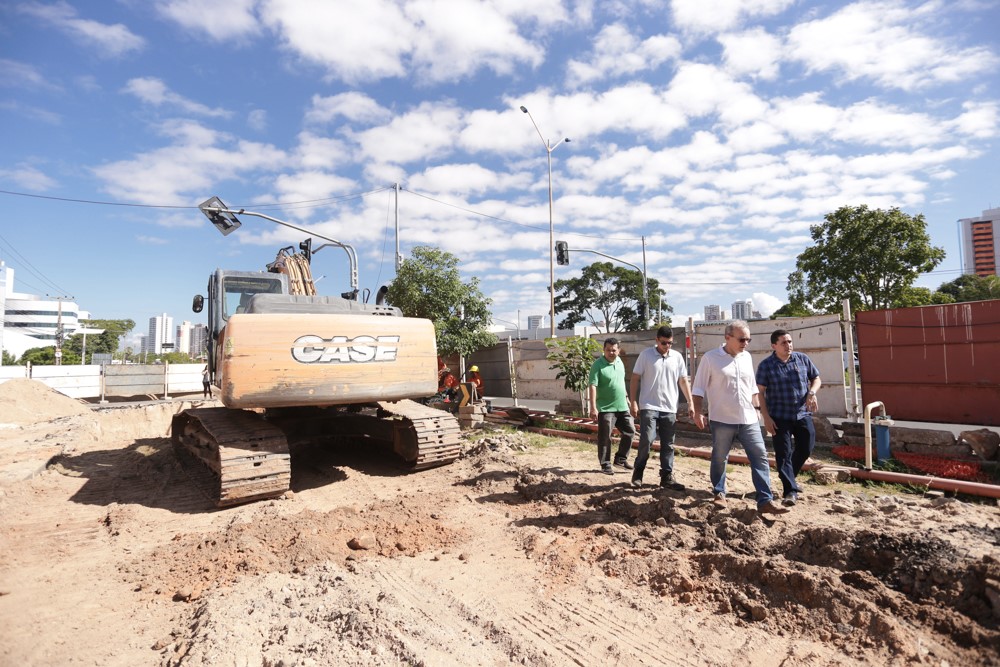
{"type": "Point", "coordinates": [812, 393]}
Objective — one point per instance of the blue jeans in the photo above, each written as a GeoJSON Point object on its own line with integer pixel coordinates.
{"type": "Point", "coordinates": [651, 424]}
{"type": "Point", "coordinates": [749, 435]}
{"type": "Point", "coordinates": [606, 421]}
{"type": "Point", "coordinates": [788, 459]}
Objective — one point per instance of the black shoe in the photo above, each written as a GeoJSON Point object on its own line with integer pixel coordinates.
{"type": "Point", "coordinates": [622, 463]}
{"type": "Point", "coordinates": [636, 483]}
{"type": "Point", "coordinates": [607, 469]}
{"type": "Point", "coordinates": [670, 482]}
{"type": "Point", "coordinates": [790, 499]}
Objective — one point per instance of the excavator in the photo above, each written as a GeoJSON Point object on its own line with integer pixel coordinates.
{"type": "Point", "coordinates": [293, 366]}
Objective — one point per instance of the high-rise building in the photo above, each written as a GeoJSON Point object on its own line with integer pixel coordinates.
{"type": "Point", "coordinates": [184, 337]}
{"type": "Point", "coordinates": [713, 313]}
{"type": "Point", "coordinates": [161, 332]}
{"type": "Point", "coordinates": [981, 243]}
{"type": "Point", "coordinates": [535, 321]}
{"type": "Point", "coordinates": [743, 310]}
{"type": "Point", "coordinates": [199, 340]}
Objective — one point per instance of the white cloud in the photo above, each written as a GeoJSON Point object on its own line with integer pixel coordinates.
{"type": "Point", "coordinates": [422, 133]}
{"type": "Point", "coordinates": [617, 52]}
{"type": "Point", "coordinates": [110, 40]}
{"type": "Point", "coordinates": [220, 20]}
{"type": "Point", "coordinates": [352, 106]}
{"type": "Point", "coordinates": [755, 53]}
{"type": "Point", "coordinates": [153, 91]}
{"type": "Point", "coordinates": [187, 170]}
{"type": "Point", "coordinates": [766, 303]}
{"type": "Point", "coordinates": [709, 16]}
{"type": "Point", "coordinates": [151, 240]}
{"type": "Point", "coordinates": [16, 74]}
{"type": "Point", "coordinates": [881, 41]}
{"type": "Point", "coordinates": [257, 120]}
{"type": "Point", "coordinates": [28, 177]}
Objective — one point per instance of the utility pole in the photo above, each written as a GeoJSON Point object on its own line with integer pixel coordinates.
{"type": "Point", "coordinates": [59, 329]}
{"type": "Point", "coordinates": [399, 257]}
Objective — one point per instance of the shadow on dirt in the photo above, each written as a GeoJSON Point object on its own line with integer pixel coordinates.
{"type": "Point", "coordinates": [149, 472]}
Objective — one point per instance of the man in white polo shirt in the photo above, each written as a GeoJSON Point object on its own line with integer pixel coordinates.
{"type": "Point", "coordinates": [657, 374]}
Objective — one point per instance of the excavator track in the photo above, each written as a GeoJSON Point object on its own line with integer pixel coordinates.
{"type": "Point", "coordinates": [249, 454]}
{"type": "Point", "coordinates": [425, 437]}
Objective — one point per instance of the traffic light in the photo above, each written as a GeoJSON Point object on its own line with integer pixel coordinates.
{"type": "Point", "coordinates": [562, 253]}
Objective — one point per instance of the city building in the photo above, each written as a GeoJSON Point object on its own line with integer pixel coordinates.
{"type": "Point", "coordinates": [199, 340]}
{"type": "Point", "coordinates": [535, 321]}
{"type": "Point", "coordinates": [713, 313]}
{"type": "Point", "coordinates": [162, 337]}
{"type": "Point", "coordinates": [184, 337]}
{"type": "Point", "coordinates": [29, 320]}
{"type": "Point", "coordinates": [980, 239]}
{"type": "Point", "coordinates": [743, 310]}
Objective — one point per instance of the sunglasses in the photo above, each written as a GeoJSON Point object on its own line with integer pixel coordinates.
{"type": "Point", "coordinates": [743, 340]}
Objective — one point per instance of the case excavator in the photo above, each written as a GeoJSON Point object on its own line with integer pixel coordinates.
{"type": "Point", "coordinates": [292, 366]}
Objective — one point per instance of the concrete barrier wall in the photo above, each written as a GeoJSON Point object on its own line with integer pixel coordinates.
{"type": "Point", "coordinates": [118, 380]}
{"type": "Point", "coordinates": [818, 336]}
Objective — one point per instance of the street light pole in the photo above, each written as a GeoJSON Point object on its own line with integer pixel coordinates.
{"type": "Point", "coordinates": [549, 147]}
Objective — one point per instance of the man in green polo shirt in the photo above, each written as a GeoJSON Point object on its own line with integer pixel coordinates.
{"type": "Point", "coordinates": [609, 406]}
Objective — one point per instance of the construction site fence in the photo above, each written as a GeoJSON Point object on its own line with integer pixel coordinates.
{"type": "Point", "coordinates": [112, 380]}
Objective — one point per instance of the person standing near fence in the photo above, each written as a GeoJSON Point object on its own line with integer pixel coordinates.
{"type": "Point", "coordinates": [656, 376]}
{"type": "Point", "coordinates": [726, 378]}
{"type": "Point", "coordinates": [609, 406]}
{"type": "Point", "coordinates": [206, 383]}
{"type": "Point", "coordinates": [788, 382]}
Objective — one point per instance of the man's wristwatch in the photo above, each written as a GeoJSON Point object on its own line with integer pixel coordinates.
{"type": "Point", "coordinates": [812, 393]}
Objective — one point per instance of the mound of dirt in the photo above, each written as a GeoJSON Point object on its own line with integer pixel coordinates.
{"type": "Point", "coordinates": [24, 401]}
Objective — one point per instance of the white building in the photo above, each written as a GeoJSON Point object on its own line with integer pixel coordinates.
{"type": "Point", "coordinates": [743, 310]}
{"type": "Point", "coordinates": [161, 334]}
{"type": "Point", "coordinates": [29, 320]}
{"type": "Point", "coordinates": [713, 313]}
{"type": "Point", "coordinates": [535, 321]}
{"type": "Point", "coordinates": [184, 330]}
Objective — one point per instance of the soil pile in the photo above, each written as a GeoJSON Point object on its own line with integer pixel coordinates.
{"type": "Point", "coordinates": [24, 402]}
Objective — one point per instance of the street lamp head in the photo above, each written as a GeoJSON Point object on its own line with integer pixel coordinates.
{"type": "Point", "coordinates": [524, 109]}
{"type": "Point", "coordinates": [566, 140]}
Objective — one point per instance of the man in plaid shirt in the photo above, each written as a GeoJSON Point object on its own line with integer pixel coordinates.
{"type": "Point", "coordinates": [788, 382]}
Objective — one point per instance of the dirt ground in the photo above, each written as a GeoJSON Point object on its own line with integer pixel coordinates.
{"type": "Point", "coordinates": [521, 552]}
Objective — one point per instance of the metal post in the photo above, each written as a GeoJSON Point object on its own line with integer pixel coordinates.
{"type": "Point", "coordinates": [398, 256]}
{"type": "Point", "coordinates": [851, 404]}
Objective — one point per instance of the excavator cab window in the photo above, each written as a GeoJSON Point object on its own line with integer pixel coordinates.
{"type": "Point", "coordinates": [238, 290]}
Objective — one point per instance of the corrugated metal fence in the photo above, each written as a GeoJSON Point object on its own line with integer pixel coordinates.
{"type": "Point", "coordinates": [933, 363]}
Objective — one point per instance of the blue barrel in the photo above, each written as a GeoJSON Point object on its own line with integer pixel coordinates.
{"type": "Point", "coordinates": [882, 425]}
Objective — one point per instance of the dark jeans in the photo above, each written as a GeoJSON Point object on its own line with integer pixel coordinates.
{"type": "Point", "coordinates": [653, 423]}
{"type": "Point", "coordinates": [788, 458]}
{"type": "Point", "coordinates": [607, 421]}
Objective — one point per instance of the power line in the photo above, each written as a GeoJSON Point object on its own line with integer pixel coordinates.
{"type": "Point", "coordinates": [306, 203]}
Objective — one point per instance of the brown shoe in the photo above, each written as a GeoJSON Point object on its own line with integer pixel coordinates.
{"type": "Point", "coordinates": [719, 500]}
{"type": "Point", "coordinates": [771, 507]}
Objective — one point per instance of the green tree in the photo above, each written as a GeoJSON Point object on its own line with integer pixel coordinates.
{"type": "Point", "coordinates": [8, 359]}
{"type": "Point", "coordinates": [429, 285]}
{"type": "Point", "coordinates": [868, 256]}
{"type": "Point", "coordinates": [792, 310]}
{"type": "Point", "coordinates": [970, 287]}
{"type": "Point", "coordinates": [106, 342]}
{"type": "Point", "coordinates": [46, 356]}
{"type": "Point", "coordinates": [572, 357]}
{"type": "Point", "coordinates": [608, 294]}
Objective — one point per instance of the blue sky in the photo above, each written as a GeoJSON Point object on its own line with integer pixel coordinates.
{"type": "Point", "coordinates": [719, 130]}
